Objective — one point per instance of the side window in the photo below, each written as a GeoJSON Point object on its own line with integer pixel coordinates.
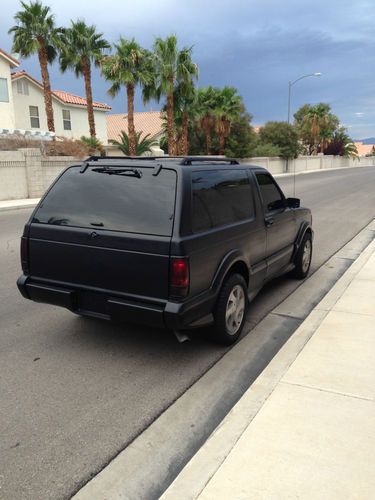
{"type": "Point", "coordinates": [66, 119]}
{"type": "Point", "coordinates": [271, 195]}
{"type": "Point", "coordinates": [220, 197]}
{"type": "Point", "coordinates": [4, 95]}
{"type": "Point", "coordinates": [22, 87]}
{"type": "Point", "coordinates": [34, 116]}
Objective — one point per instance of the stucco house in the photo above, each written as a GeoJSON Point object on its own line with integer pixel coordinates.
{"type": "Point", "coordinates": [22, 106]}
{"type": "Point", "coordinates": [7, 63]}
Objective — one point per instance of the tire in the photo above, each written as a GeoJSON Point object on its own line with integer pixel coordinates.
{"type": "Point", "coordinates": [227, 328]}
{"type": "Point", "coordinates": [303, 258]}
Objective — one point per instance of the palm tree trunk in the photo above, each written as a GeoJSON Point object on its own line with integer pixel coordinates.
{"type": "Point", "coordinates": [185, 134]}
{"type": "Point", "coordinates": [86, 70]}
{"type": "Point", "coordinates": [131, 129]}
{"type": "Point", "coordinates": [43, 61]}
{"type": "Point", "coordinates": [208, 140]}
{"type": "Point", "coordinates": [221, 143]}
{"type": "Point", "coordinates": [170, 124]}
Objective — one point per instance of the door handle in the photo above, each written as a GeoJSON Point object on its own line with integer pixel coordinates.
{"type": "Point", "coordinates": [269, 221]}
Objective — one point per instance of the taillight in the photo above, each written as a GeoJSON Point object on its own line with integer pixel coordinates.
{"type": "Point", "coordinates": [24, 255]}
{"type": "Point", "coordinates": [179, 277]}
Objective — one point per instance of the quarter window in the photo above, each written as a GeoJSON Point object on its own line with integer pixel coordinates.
{"type": "Point", "coordinates": [220, 197]}
{"type": "Point", "coordinates": [22, 87]}
{"type": "Point", "coordinates": [66, 119]}
{"type": "Point", "coordinates": [34, 117]}
{"type": "Point", "coordinates": [271, 194]}
{"type": "Point", "coordinates": [4, 95]}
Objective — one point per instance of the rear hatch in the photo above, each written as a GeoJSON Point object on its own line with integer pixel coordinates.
{"type": "Point", "coordinates": [106, 228]}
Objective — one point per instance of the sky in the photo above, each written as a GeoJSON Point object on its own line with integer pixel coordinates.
{"type": "Point", "coordinates": [257, 46]}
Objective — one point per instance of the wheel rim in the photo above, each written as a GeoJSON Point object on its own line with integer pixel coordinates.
{"type": "Point", "coordinates": [306, 256]}
{"type": "Point", "coordinates": [235, 309]}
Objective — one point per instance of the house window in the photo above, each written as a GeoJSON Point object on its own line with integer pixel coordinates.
{"type": "Point", "coordinates": [34, 116]}
{"type": "Point", "coordinates": [66, 119]}
{"type": "Point", "coordinates": [22, 87]}
{"type": "Point", "coordinates": [4, 95]}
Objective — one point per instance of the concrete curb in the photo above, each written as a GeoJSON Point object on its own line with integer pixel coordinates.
{"type": "Point", "coordinates": [304, 172]}
{"type": "Point", "coordinates": [18, 204]}
{"type": "Point", "coordinates": [202, 467]}
{"type": "Point", "coordinates": [147, 467]}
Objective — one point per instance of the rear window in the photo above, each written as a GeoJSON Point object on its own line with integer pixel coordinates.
{"type": "Point", "coordinates": [221, 197]}
{"type": "Point", "coordinates": [118, 201]}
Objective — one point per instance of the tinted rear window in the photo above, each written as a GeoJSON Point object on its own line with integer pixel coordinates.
{"type": "Point", "coordinates": [221, 197]}
{"type": "Point", "coordinates": [94, 199]}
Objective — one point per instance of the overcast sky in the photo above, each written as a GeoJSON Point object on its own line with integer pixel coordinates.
{"type": "Point", "coordinates": [254, 45]}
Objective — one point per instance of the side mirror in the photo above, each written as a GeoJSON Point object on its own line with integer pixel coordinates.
{"type": "Point", "coordinates": [293, 202]}
{"type": "Point", "coordinates": [276, 205]}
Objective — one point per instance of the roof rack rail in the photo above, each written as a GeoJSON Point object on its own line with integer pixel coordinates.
{"type": "Point", "coordinates": [165, 157]}
{"type": "Point", "coordinates": [185, 160]}
{"type": "Point", "coordinates": [188, 160]}
{"type": "Point", "coordinates": [96, 158]}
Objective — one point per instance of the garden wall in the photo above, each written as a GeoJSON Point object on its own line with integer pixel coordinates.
{"type": "Point", "coordinates": [308, 163]}
{"type": "Point", "coordinates": [27, 174]}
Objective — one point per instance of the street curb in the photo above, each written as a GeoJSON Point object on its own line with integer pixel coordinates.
{"type": "Point", "coordinates": [195, 476]}
{"type": "Point", "coordinates": [304, 172]}
{"type": "Point", "coordinates": [6, 205]}
{"type": "Point", "coordinates": [149, 465]}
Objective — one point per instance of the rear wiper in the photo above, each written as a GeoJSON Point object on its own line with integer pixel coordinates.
{"type": "Point", "coordinates": [119, 171]}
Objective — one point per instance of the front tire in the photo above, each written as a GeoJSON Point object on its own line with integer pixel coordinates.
{"type": "Point", "coordinates": [303, 258]}
{"type": "Point", "coordinates": [230, 310]}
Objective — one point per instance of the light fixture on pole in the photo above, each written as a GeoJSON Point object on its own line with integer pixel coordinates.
{"type": "Point", "coordinates": [290, 88]}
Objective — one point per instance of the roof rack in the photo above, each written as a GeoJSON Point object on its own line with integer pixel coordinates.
{"type": "Point", "coordinates": [189, 160]}
{"type": "Point", "coordinates": [185, 160]}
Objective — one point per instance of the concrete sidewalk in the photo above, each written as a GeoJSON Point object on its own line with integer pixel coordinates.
{"type": "Point", "coordinates": [306, 427]}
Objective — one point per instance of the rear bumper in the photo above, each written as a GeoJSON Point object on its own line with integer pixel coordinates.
{"type": "Point", "coordinates": [104, 304]}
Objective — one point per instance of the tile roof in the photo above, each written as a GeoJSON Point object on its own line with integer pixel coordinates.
{"type": "Point", "coordinates": [363, 149]}
{"type": "Point", "coordinates": [75, 99]}
{"type": "Point", "coordinates": [14, 62]}
{"type": "Point", "coordinates": [65, 97]}
{"type": "Point", "coordinates": [148, 122]}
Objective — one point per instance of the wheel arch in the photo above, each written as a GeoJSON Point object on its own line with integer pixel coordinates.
{"type": "Point", "coordinates": [232, 263]}
{"type": "Point", "coordinates": [305, 228]}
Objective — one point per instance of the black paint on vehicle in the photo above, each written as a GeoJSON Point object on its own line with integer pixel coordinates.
{"type": "Point", "coordinates": [169, 242]}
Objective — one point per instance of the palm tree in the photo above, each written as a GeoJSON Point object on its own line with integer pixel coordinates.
{"type": "Point", "coordinates": [342, 145]}
{"type": "Point", "coordinates": [83, 46]}
{"type": "Point", "coordinates": [319, 124]}
{"type": "Point", "coordinates": [142, 145]}
{"type": "Point", "coordinates": [131, 65]}
{"type": "Point", "coordinates": [36, 33]}
{"type": "Point", "coordinates": [93, 144]}
{"type": "Point", "coordinates": [184, 114]}
{"type": "Point", "coordinates": [171, 67]}
{"type": "Point", "coordinates": [227, 109]}
{"type": "Point", "coordinates": [205, 104]}
{"type": "Point", "coordinates": [325, 136]}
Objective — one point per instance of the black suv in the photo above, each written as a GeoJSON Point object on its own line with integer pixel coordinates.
{"type": "Point", "coordinates": [170, 242]}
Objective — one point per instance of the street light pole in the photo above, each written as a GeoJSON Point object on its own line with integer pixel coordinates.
{"type": "Point", "coordinates": [291, 83]}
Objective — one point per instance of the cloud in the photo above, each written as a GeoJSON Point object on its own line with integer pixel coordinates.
{"type": "Point", "coordinates": [255, 46]}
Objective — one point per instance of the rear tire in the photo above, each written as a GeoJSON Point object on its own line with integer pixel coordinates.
{"type": "Point", "coordinates": [303, 258]}
{"type": "Point", "coordinates": [230, 310]}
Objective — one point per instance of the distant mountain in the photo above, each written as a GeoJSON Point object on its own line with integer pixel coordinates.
{"type": "Point", "coordinates": [369, 140]}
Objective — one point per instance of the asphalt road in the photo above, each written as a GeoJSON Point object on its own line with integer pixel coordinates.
{"type": "Point", "coordinates": [74, 391]}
